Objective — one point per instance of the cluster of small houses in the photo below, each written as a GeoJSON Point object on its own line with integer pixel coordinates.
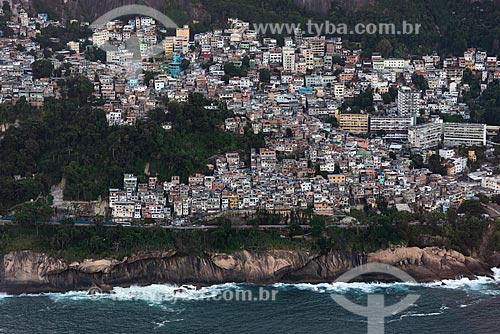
{"type": "Point", "coordinates": [286, 93]}
{"type": "Point", "coordinates": [365, 175]}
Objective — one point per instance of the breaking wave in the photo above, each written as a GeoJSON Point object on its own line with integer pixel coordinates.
{"type": "Point", "coordinates": [153, 294]}
{"type": "Point", "coordinates": [482, 284]}
{"type": "Point", "coordinates": [163, 293]}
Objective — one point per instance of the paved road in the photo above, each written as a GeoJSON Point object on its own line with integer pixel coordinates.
{"type": "Point", "coordinates": [240, 227]}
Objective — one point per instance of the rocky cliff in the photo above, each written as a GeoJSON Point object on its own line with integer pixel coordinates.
{"type": "Point", "coordinates": [91, 9]}
{"type": "Point", "coordinates": [29, 272]}
{"type": "Point", "coordinates": [194, 10]}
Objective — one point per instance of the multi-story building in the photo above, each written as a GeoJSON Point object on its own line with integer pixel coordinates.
{"type": "Point", "coordinates": [354, 123]}
{"type": "Point", "coordinates": [182, 32]}
{"type": "Point", "coordinates": [100, 37]}
{"type": "Point", "coordinates": [464, 134]}
{"type": "Point", "coordinates": [123, 211]}
{"type": "Point", "coordinates": [168, 45]}
{"type": "Point", "coordinates": [129, 182]}
{"type": "Point", "coordinates": [339, 91]}
{"type": "Point", "coordinates": [317, 45]}
{"type": "Point", "coordinates": [392, 127]}
{"type": "Point", "coordinates": [430, 135]}
{"type": "Point", "coordinates": [395, 63]}
{"type": "Point", "coordinates": [182, 38]}
{"type": "Point", "coordinates": [288, 59]}
{"type": "Point", "coordinates": [408, 101]}
{"type": "Point", "coordinates": [492, 183]}
{"type": "Point", "coordinates": [425, 136]}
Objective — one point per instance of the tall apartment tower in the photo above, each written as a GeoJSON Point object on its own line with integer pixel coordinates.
{"type": "Point", "coordinates": [408, 101]}
{"type": "Point", "coordinates": [182, 38]}
{"type": "Point", "coordinates": [288, 59]}
{"type": "Point", "coordinates": [182, 33]}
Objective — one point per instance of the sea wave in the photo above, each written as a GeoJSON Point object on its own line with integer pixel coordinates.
{"type": "Point", "coordinates": [416, 314]}
{"type": "Point", "coordinates": [160, 324]}
{"type": "Point", "coordinates": [160, 293]}
{"type": "Point", "coordinates": [4, 295]}
{"type": "Point", "coordinates": [342, 287]}
{"type": "Point", "coordinates": [482, 284]}
{"type": "Point", "coordinates": [153, 294]}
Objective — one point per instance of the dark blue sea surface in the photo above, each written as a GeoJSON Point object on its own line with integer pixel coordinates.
{"type": "Point", "coordinates": [458, 306]}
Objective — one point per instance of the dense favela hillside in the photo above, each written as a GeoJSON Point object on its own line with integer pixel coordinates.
{"type": "Point", "coordinates": [448, 26]}
{"type": "Point", "coordinates": [255, 148]}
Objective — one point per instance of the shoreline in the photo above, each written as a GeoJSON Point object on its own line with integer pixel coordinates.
{"type": "Point", "coordinates": [29, 272]}
{"type": "Point", "coordinates": [437, 284]}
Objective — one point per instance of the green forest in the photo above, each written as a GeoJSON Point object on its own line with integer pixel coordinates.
{"type": "Point", "coordinates": [460, 229]}
{"type": "Point", "coordinates": [70, 138]}
{"type": "Point", "coordinates": [448, 26]}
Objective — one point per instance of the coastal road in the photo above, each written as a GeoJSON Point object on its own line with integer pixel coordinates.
{"type": "Point", "coordinates": [238, 227]}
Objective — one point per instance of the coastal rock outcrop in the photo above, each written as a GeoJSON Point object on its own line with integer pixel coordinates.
{"type": "Point", "coordinates": [431, 263]}
{"type": "Point", "coordinates": [30, 272]}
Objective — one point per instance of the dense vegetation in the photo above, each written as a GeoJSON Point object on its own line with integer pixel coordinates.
{"type": "Point", "coordinates": [70, 138]}
{"type": "Point", "coordinates": [448, 26]}
{"type": "Point", "coordinates": [460, 229]}
{"type": "Point", "coordinates": [71, 243]}
{"type": "Point", "coordinates": [56, 38]}
{"type": "Point", "coordinates": [487, 107]}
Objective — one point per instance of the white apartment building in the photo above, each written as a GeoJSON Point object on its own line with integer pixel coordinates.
{"type": "Point", "coordinates": [100, 37]}
{"type": "Point", "coordinates": [464, 134]}
{"type": "Point", "coordinates": [396, 63]}
{"type": "Point", "coordinates": [275, 56]}
{"type": "Point", "coordinates": [320, 80]}
{"type": "Point", "coordinates": [425, 136]}
{"type": "Point", "coordinates": [446, 153]}
{"type": "Point", "coordinates": [123, 211]}
{"type": "Point", "coordinates": [129, 182]}
{"type": "Point", "coordinates": [408, 101]}
{"type": "Point", "coordinates": [114, 118]}
{"type": "Point", "coordinates": [339, 91]}
{"type": "Point", "coordinates": [24, 18]}
{"type": "Point", "coordinates": [430, 135]}
{"type": "Point", "coordinates": [459, 165]}
{"type": "Point", "coordinates": [492, 183]}
{"type": "Point", "coordinates": [394, 127]}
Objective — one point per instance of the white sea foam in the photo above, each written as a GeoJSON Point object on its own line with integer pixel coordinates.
{"type": "Point", "coordinates": [416, 314]}
{"type": "Point", "coordinates": [160, 324]}
{"type": "Point", "coordinates": [153, 294]}
{"type": "Point", "coordinates": [482, 284]}
{"type": "Point", "coordinates": [496, 273]}
{"type": "Point", "coordinates": [4, 296]}
{"type": "Point", "coordinates": [337, 287]}
{"type": "Point", "coordinates": [159, 293]}
{"type": "Point", "coordinates": [343, 287]}
{"type": "Point", "coordinates": [411, 314]}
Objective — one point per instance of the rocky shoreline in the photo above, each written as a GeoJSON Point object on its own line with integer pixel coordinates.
{"type": "Point", "coordinates": [30, 272]}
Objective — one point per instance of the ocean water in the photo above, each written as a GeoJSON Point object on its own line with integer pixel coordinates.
{"type": "Point", "coordinates": [458, 306]}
